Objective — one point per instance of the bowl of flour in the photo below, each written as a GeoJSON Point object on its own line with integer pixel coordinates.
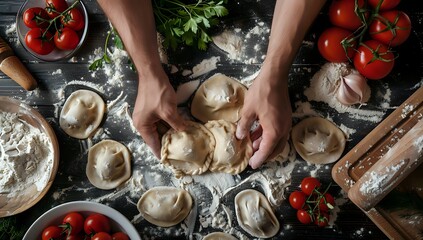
{"type": "Point", "coordinates": [29, 156]}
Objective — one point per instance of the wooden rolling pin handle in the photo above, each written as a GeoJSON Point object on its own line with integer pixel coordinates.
{"type": "Point", "coordinates": [14, 68]}
{"type": "Point", "coordinates": [401, 160]}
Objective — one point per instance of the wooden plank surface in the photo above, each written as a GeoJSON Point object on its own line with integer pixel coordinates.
{"type": "Point", "coordinates": [351, 222]}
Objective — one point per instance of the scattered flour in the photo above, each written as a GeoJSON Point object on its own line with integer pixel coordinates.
{"type": "Point", "coordinates": [205, 66]}
{"type": "Point", "coordinates": [26, 156]}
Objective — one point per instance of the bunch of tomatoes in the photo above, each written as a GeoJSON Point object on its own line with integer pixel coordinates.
{"type": "Point", "coordinates": [55, 25]}
{"type": "Point", "coordinates": [76, 227]}
{"type": "Point", "coordinates": [364, 32]}
{"type": "Point", "coordinates": [312, 205]}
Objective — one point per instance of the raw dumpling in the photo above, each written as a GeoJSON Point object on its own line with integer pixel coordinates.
{"type": "Point", "coordinates": [188, 152]}
{"type": "Point", "coordinates": [255, 215]}
{"type": "Point", "coordinates": [219, 236]}
{"type": "Point", "coordinates": [230, 154]}
{"type": "Point", "coordinates": [165, 206]}
{"type": "Point", "coordinates": [82, 114]}
{"type": "Point", "coordinates": [318, 141]}
{"type": "Point", "coordinates": [109, 164]}
{"type": "Point", "coordinates": [219, 97]}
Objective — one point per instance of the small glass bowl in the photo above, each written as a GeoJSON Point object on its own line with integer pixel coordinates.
{"type": "Point", "coordinates": [56, 54]}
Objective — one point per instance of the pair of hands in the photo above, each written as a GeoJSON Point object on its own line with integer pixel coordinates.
{"type": "Point", "coordinates": [267, 100]}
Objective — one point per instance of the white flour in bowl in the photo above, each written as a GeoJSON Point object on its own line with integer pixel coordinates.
{"type": "Point", "coordinates": [26, 157]}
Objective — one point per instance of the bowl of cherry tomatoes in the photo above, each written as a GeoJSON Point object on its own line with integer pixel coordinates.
{"type": "Point", "coordinates": [52, 30]}
{"type": "Point", "coordinates": [82, 220]}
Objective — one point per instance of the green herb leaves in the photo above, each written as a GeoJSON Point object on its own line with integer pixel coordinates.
{"type": "Point", "coordinates": [98, 63]}
{"type": "Point", "coordinates": [187, 23]}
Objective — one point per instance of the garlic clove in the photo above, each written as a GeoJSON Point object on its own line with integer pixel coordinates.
{"type": "Point", "coordinates": [353, 89]}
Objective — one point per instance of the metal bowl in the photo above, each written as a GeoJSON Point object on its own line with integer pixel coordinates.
{"type": "Point", "coordinates": [19, 202]}
{"type": "Point", "coordinates": [55, 216]}
{"type": "Point", "coordinates": [56, 54]}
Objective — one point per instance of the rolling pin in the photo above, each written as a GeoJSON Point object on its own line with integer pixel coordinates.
{"type": "Point", "coordinates": [14, 68]}
{"type": "Point", "coordinates": [389, 171]}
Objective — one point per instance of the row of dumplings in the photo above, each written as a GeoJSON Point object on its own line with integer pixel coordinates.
{"type": "Point", "coordinates": [168, 206]}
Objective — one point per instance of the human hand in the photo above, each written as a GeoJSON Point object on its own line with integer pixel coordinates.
{"type": "Point", "coordinates": [156, 101]}
{"type": "Point", "coordinates": [267, 100]}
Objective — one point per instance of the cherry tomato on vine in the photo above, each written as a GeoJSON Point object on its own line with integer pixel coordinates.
{"type": "Point", "coordinates": [323, 202]}
{"type": "Point", "coordinates": [55, 7]}
{"type": "Point", "coordinates": [322, 219]}
{"type": "Point", "coordinates": [96, 223]}
{"type": "Point", "coordinates": [342, 14]}
{"type": "Point", "coordinates": [308, 185]}
{"type": "Point", "coordinates": [374, 60]}
{"type": "Point", "coordinates": [120, 236]}
{"type": "Point", "coordinates": [297, 199]}
{"type": "Point", "coordinates": [303, 216]}
{"type": "Point", "coordinates": [36, 17]}
{"type": "Point", "coordinates": [66, 39]}
{"type": "Point", "coordinates": [38, 43]}
{"type": "Point", "coordinates": [73, 19]}
{"type": "Point", "coordinates": [330, 44]}
{"type": "Point", "coordinates": [102, 236]}
{"type": "Point", "coordinates": [391, 28]}
{"type": "Point", "coordinates": [75, 237]}
{"type": "Point", "coordinates": [386, 4]}
{"type": "Point", "coordinates": [51, 232]}
{"type": "Point", "coordinates": [76, 222]}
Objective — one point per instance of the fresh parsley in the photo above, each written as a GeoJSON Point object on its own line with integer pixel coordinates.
{"type": "Point", "coordinates": [187, 23]}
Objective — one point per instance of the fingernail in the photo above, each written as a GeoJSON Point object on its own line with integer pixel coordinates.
{"type": "Point", "coordinates": [239, 134]}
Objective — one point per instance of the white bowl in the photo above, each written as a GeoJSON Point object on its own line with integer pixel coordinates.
{"type": "Point", "coordinates": [56, 54]}
{"type": "Point", "coordinates": [55, 216]}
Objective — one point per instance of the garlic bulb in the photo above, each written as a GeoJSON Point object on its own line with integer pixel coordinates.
{"type": "Point", "coordinates": [353, 89]}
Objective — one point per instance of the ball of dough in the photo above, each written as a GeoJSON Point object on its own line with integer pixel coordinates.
{"type": "Point", "coordinates": [82, 114]}
{"type": "Point", "coordinates": [165, 206]}
{"type": "Point", "coordinates": [188, 152]}
{"type": "Point", "coordinates": [109, 164]}
{"type": "Point", "coordinates": [230, 154]}
{"type": "Point", "coordinates": [219, 236]}
{"type": "Point", "coordinates": [255, 215]}
{"type": "Point", "coordinates": [318, 141]}
{"type": "Point", "coordinates": [219, 97]}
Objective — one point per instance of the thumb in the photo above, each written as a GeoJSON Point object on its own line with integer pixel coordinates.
{"type": "Point", "coordinates": [174, 119]}
{"type": "Point", "coordinates": [244, 125]}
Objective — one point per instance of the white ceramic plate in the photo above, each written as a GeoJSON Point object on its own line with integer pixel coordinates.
{"type": "Point", "coordinates": [55, 216]}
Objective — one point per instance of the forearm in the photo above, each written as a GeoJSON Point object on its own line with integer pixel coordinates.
{"type": "Point", "coordinates": [291, 21]}
{"type": "Point", "coordinates": [134, 21]}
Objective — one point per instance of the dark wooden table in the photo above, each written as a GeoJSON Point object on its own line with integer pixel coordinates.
{"type": "Point", "coordinates": [351, 223]}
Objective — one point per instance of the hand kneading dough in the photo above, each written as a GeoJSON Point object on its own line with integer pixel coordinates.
{"type": "Point", "coordinates": [109, 164]}
{"type": "Point", "coordinates": [165, 206]}
{"type": "Point", "coordinates": [255, 215]}
{"type": "Point", "coordinates": [219, 97]}
{"type": "Point", "coordinates": [188, 152]}
{"type": "Point", "coordinates": [318, 141]}
{"type": "Point", "coordinates": [219, 236]}
{"type": "Point", "coordinates": [230, 154]}
{"type": "Point", "coordinates": [82, 114]}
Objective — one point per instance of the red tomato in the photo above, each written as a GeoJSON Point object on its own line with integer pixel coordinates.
{"type": "Point", "coordinates": [66, 39]}
{"type": "Point", "coordinates": [331, 48]}
{"type": "Point", "coordinates": [303, 216]}
{"type": "Point", "coordinates": [308, 185]}
{"type": "Point", "coordinates": [73, 19]}
{"type": "Point", "coordinates": [297, 199]}
{"type": "Point", "coordinates": [102, 236]}
{"type": "Point", "coordinates": [51, 232]}
{"type": "Point", "coordinates": [96, 223]}
{"type": "Point", "coordinates": [342, 14]}
{"type": "Point", "coordinates": [76, 237]}
{"type": "Point", "coordinates": [374, 60]}
{"type": "Point", "coordinates": [120, 236]}
{"type": "Point", "coordinates": [55, 7]}
{"type": "Point", "coordinates": [325, 200]}
{"type": "Point", "coordinates": [38, 43]}
{"type": "Point", "coordinates": [391, 28]}
{"type": "Point", "coordinates": [386, 4]}
{"type": "Point", "coordinates": [36, 17]}
{"type": "Point", "coordinates": [322, 219]}
{"type": "Point", "coordinates": [74, 221]}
